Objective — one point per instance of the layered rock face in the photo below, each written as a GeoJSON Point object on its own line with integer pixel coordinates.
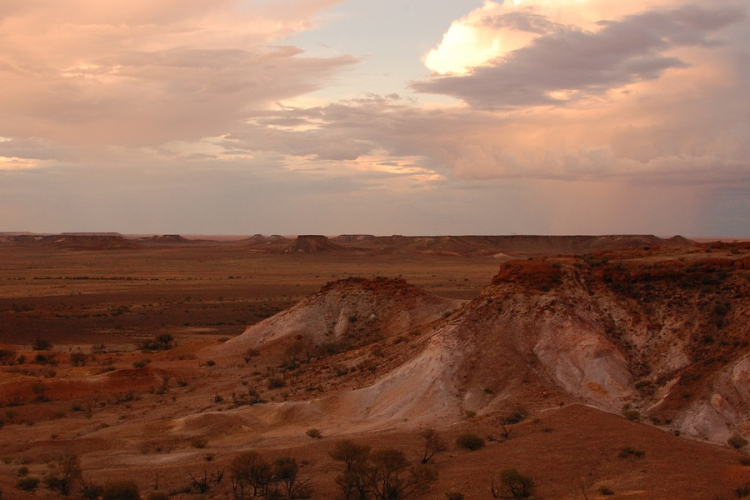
{"type": "Point", "coordinates": [664, 335]}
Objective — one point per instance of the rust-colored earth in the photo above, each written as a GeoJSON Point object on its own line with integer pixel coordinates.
{"type": "Point", "coordinates": [607, 344]}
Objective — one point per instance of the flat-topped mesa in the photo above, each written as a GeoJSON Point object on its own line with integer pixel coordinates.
{"type": "Point", "coordinates": [72, 241]}
{"type": "Point", "coordinates": [90, 242]}
{"type": "Point", "coordinates": [313, 243]}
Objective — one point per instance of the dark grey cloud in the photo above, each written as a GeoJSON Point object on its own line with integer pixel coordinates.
{"type": "Point", "coordinates": [584, 64]}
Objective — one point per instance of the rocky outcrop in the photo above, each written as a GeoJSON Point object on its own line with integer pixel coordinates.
{"type": "Point", "coordinates": [313, 243]}
{"type": "Point", "coordinates": [352, 312]}
{"type": "Point", "coordinates": [667, 338]}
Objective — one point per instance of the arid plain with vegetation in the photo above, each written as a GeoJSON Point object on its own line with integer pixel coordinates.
{"type": "Point", "coordinates": [360, 367]}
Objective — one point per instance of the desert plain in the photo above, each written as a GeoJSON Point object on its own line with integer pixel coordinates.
{"type": "Point", "coordinates": [599, 367]}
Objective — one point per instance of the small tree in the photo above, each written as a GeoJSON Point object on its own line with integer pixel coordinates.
{"type": "Point", "coordinates": [512, 483]}
{"type": "Point", "coordinates": [433, 444]}
{"type": "Point", "coordinates": [66, 471]}
{"type": "Point", "coordinates": [286, 473]}
{"type": "Point", "coordinates": [391, 477]}
{"type": "Point", "coordinates": [301, 350]}
{"type": "Point", "coordinates": [201, 484]}
{"type": "Point", "coordinates": [40, 391]}
{"type": "Point", "coordinates": [354, 481]}
{"type": "Point", "coordinates": [387, 465]}
{"type": "Point", "coordinates": [250, 470]}
{"type": "Point", "coordinates": [354, 455]}
{"type": "Point", "coordinates": [382, 474]}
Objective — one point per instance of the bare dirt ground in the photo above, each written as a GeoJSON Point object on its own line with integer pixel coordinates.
{"type": "Point", "coordinates": [159, 417]}
{"type": "Point", "coordinates": [191, 291]}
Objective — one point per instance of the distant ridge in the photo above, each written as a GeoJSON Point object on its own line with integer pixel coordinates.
{"type": "Point", "coordinates": [73, 241]}
{"type": "Point", "coordinates": [518, 245]}
{"type": "Point", "coordinates": [458, 246]}
{"type": "Point", "coordinates": [313, 243]}
{"type": "Point", "coordinates": [91, 233]}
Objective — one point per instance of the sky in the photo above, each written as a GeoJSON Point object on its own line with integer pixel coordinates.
{"type": "Point", "coordinates": [414, 117]}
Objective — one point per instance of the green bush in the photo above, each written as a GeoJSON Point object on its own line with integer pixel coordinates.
{"type": "Point", "coordinates": [470, 441]}
{"type": "Point", "coordinates": [121, 490]}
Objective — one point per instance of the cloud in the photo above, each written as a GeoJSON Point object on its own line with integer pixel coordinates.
{"type": "Point", "coordinates": [653, 138]}
{"type": "Point", "coordinates": [584, 116]}
{"type": "Point", "coordinates": [567, 64]}
{"type": "Point", "coordinates": [143, 73]}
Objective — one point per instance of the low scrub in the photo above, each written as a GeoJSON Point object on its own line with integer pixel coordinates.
{"type": "Point", "coordinates": [737, 442]}
{"type": "Point", "coordinates": [158, 343]}
{"type": "Point", "coordinates": [121, 490]}
{"type": "Point", "coordinates": [28, 483]}
{"type": "Point", "coordinates": [629, 452]}
{"type": "Point", "coordinates": [470, 441]}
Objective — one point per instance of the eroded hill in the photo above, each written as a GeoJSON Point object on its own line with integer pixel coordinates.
{"type": "Point", "coordinates": [663, 335]}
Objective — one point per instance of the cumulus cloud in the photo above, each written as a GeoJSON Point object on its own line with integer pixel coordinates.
{"type": "Point", "coordinates": [565, 64]}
